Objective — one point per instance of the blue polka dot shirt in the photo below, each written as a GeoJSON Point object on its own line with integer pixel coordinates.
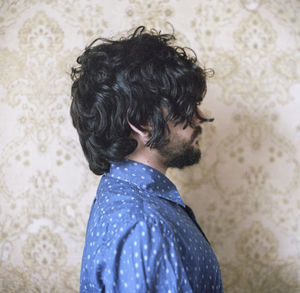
{"type": "Point", "coordinates": [141, 237]}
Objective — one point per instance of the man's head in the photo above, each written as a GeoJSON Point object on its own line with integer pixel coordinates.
{"type": "Point", "coordinates": [141, 81]}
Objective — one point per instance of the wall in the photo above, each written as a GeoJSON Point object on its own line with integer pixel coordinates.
{"type": "Point", "coordinates": [245, 192]}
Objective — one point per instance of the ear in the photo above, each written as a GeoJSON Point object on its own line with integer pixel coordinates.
{"type": "Point", "coordinates": [144, 136]}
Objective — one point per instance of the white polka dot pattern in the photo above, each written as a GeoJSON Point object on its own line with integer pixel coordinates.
{"type": "Point", "coordinates": [141, 237]}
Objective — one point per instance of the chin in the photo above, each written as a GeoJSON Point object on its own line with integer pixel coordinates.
{"type": "Point", "coordinates": [189, 157]}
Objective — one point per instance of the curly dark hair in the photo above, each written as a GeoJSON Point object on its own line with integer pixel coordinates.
{"type": "Point", "coordinates": [132, 79]}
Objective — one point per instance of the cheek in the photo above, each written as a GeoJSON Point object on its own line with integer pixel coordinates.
{"type": "Point", "coordinates": [183, 134]}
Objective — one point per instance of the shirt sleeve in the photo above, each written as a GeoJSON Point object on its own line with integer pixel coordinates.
{"type": "Point", "coordinates": [146, 258]}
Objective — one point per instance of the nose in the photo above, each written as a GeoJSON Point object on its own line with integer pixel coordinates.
{"type": "Point", "coordinates": [201, 118]}
{"type": "Point", "coordinates": [201, 114]}
{"type": "Point", "coordinates": [196, 120]}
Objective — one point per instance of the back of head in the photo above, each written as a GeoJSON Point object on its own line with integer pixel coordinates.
{"type": "Point", "coordinates": [132, 79]}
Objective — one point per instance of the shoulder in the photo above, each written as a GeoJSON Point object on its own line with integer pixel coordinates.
{"type": "Point", "coordinates": [115, 196]}
{"type": "Point", "coordinates": [120, 215]}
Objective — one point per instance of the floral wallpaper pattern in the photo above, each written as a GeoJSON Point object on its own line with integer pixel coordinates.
{"type": "Point", "coordinates": [245, 192]}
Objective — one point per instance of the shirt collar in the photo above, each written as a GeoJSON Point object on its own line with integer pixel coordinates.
{"type": "Point", "coordinates": [146, 178]}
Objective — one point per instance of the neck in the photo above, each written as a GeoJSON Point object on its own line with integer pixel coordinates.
{"type": "Point", "coordinates": [148, 156]}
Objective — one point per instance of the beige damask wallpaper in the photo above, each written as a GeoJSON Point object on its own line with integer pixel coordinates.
{"type": "Point", "coordinates": [246, 190]}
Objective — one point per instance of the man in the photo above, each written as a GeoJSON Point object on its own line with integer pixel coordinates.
{"type": "Point", "coordinates": [135, 107]}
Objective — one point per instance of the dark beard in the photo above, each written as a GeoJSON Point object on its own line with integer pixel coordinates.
{"type": "Point", "coordinates": [183, 154]}
{"type": "Point", "coordinates": [189, 156]}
